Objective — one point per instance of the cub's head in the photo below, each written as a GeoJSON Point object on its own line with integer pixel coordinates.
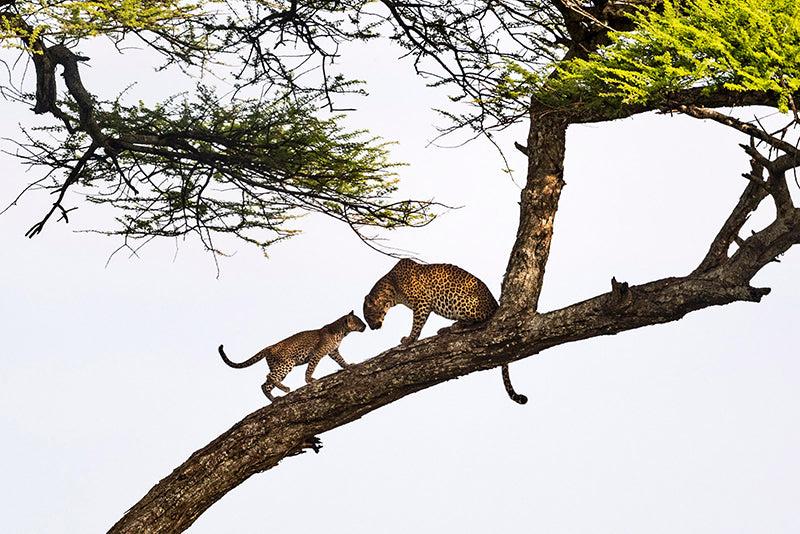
{"type": "Point", "coordinates": [354, 322]}
{"type": "Point", "coordinates": [376, 303]}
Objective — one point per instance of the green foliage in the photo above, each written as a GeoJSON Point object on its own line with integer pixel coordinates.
{"type": "Point", "coordinates": [70, 20]}
{"type": "Point", "coordinates": [739, 45]}
{"type": "Point", "coordinates": [202, 165]}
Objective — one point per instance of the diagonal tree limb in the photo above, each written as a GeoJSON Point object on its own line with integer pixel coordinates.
{"type": "Point", "coordinates": [751, 197]}
{"type": "Point", "coordinates": [265, 437]}
{"type": "Point", "coordinates": [61, 55]}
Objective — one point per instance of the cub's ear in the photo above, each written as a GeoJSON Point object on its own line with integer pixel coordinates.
{"type": "Point", "coordinates": [352, 312]}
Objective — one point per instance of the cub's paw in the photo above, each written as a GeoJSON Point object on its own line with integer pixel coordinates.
{"type": "Point", "coordinates": [407, 340]}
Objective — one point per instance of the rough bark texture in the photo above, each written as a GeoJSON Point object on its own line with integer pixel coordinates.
{"type": "Point", "coordinates": [538, 204]}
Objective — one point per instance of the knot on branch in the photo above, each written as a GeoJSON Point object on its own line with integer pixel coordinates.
{"type": "Point", "coordinates": [621, 295]}
{"type": "Point", "coordinates": [313, 443]}
{"type": "Point", "coordinates": [47, 93]}
{"type": "Point", "coordinates": [754, 294]}
{"type": "Point", "coordinates": [775, 184]}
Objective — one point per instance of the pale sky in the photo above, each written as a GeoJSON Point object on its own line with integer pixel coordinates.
{"type": "Point", "coordinates": [110, 376]}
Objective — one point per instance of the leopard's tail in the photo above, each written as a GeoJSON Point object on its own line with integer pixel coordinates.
{"type": "Point", "coordinates": [247, 363]}
{"type": "Point", "coordinates": [516, 397]}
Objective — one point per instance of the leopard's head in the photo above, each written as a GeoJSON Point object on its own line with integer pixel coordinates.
{"type": "Point", "coordinates": [354, 322]}
{"type": "Point", "coordinates": [376, 304]}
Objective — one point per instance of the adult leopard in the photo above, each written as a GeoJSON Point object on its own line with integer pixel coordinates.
{"type": "Point", "coordinates": [441, 288]}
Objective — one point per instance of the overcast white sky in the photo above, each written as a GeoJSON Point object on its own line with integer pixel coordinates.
{"type": "Point", "coordinates": [110, 378]}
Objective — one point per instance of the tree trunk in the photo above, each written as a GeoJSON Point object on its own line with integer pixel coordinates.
{"type": "Point", "coordinates": [522, 283]}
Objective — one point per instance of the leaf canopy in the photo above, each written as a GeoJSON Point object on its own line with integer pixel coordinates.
{"type": "Point", "coordinates": [738, 45]}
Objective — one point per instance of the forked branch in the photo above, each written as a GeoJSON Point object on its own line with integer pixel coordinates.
{"type": "Point", "coordinates": [759, 187]}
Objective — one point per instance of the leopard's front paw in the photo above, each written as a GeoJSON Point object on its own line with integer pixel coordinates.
{"type": "Point", "coordinates": [407, 340]}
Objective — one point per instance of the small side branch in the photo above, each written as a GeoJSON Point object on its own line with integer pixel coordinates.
{"type": "Point", "coordinates": [753, 131]}
{"type": "Point", "coordinates": [71, 179]}
{"type": "Point", "coordinates": [776, 184]}
{"type": "Point", "coordinates": [751, 197]}
{"type": "Point", "coordinates": [759, 186]}
{"type": "Point", "coordinates": [621, 295]}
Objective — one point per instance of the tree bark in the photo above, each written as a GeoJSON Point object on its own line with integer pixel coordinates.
{"type": "Point", "coordinates": [546, 148]}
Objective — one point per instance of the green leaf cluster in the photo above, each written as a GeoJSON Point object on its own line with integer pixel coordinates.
{"type": "Point", "coordinates": [206, 165]}
{"type": "Point", "coordinates": [76, 19]}
{"type": "Point", "coordinates": [201, 163]}
{"type": "Point", "coordinates": [739, 45]}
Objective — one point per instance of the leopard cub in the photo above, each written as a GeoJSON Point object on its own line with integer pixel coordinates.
{"type": "Point", "coordinates": [308, 347]}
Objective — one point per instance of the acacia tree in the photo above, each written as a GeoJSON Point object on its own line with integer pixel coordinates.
{"type": "Point", "coordinates": [551, 62]}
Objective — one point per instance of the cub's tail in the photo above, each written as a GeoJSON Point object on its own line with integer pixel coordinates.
{"type": "Point", "coordinates": [516, 397]}
{"type": "Point", "coordinates": [246, 363]}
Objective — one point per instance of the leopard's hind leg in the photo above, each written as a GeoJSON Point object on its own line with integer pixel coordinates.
{"type": "Point", "coordinates": [266, 387]}
{"type": "Point", "coordinates": [274, 381]}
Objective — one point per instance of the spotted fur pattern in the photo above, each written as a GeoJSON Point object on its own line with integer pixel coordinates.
{"type": "Point", "coordinates": [304, 347]}
{"type": "Point", "coordinates": [440, 288]}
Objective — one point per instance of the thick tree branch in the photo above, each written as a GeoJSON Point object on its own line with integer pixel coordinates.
{"type": "Point", "coordinates": [288, 425]}
{"type": "Point", "coordinates": [682, 101]}
{"type": "Point", "coordinates": [546, 146]}
{"type": "Point", "coordinates": [752, 196]}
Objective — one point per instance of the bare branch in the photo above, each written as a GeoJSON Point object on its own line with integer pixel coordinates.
{"type": "Point", "coordinates": [71, 179]}
{"type": "Point", "coordinates": [705, 113]}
